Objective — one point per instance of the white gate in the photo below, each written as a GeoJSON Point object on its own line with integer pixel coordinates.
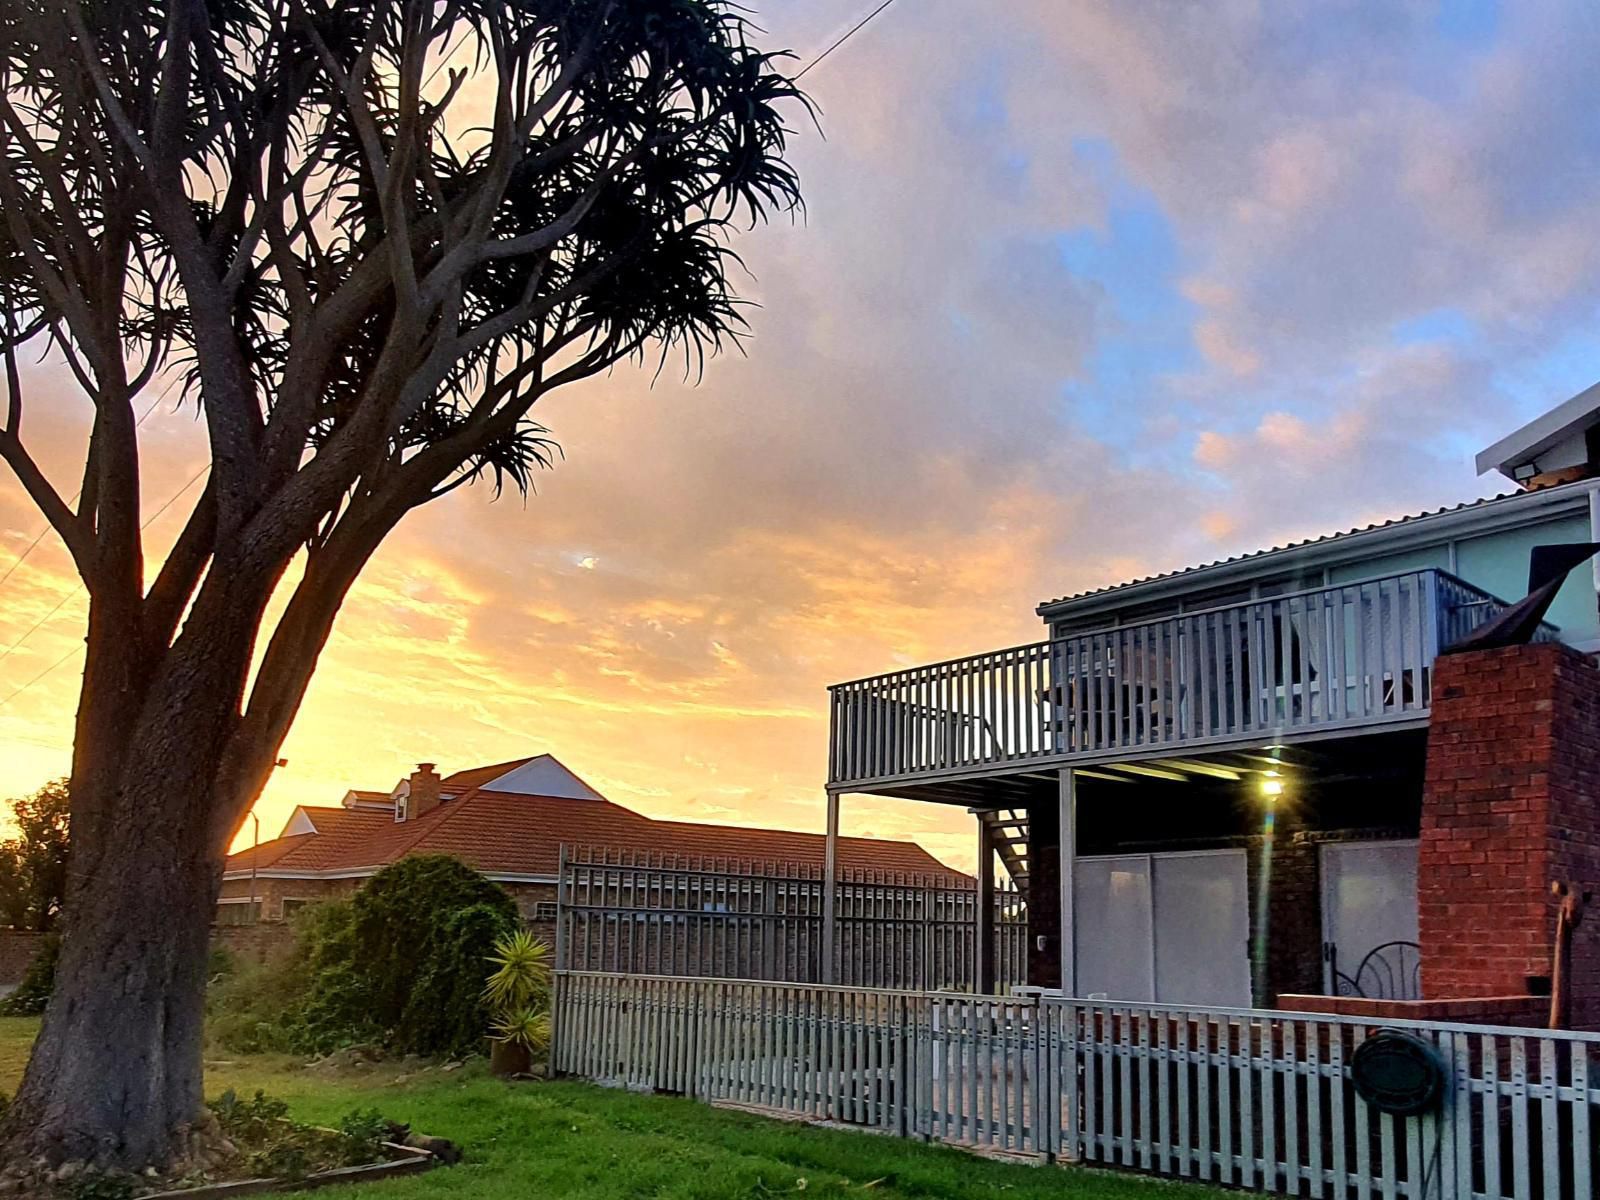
{"type": "Point", "coordinates": [1166, 928]}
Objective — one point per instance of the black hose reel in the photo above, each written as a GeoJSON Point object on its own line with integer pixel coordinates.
{"type": "Point", "coordinates": [1398, 1072]}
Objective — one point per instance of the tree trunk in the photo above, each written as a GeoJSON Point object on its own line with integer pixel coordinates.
{"type": "Point", "coordinates": [115, 1077]}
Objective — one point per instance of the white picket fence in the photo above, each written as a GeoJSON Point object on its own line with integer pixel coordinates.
{"type": "Point", "coordinates": [1253, 1099]}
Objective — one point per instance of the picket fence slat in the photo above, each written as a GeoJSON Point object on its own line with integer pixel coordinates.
{"type": "Point", "coordinates": [1255, 1099]}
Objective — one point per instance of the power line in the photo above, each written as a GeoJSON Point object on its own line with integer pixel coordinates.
{"type": "Point", "coordinates": [843, 38]}
{"type": "Point", "coordinates": [148, 521]}
{"type": "Point", "coordinates": [34, 545]}
{"type": "Point", "coordinates": [71, 594]}
{"type": "Point", "coordinates": [58, 662]}
{"type": "Point", "coordinates": [856, 28]}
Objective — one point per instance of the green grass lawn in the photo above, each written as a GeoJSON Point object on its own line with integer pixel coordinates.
{"type": "Point", "coordinates": [565, 1139]}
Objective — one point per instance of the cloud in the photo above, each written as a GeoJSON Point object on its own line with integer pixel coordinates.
{"type": "Point", "coordinates": [1082, 292]}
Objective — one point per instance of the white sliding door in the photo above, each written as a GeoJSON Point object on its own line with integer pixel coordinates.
{"type": "Point", "coordinates": [1115, 951]}
{"type": "Point", "coordinates": [1168, 928]}
{"type": "Point", "coordinates": [1202, 929]}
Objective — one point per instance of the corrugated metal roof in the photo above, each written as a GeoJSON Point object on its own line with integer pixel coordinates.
{"type": "Point", "coordinates": [1322, 539]}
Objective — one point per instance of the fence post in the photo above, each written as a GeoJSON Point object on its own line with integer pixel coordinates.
{"type": "Point", "coordinates": [550, 1064]}
{"type": "Point", "coordinates": [1067, 871]}
{"type": "Point", "coordinates": [830, 887]}
{"type": "Point", "coordinates": [561, 908]}
{"type": "Point", "coordinates": [1044, 1114]}
{"type": "Point", "coordinates": [984, 923]}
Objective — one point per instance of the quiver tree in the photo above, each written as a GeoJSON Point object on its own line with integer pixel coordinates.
{"type": "Point", "coordinates": [367, 237]}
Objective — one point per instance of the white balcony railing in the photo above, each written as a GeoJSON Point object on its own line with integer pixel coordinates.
{"type": "Point", "coordinates": [1353, 655]}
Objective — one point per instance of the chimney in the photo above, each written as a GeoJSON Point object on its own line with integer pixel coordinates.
{"type": "Point", "coordinates": [424, 797]}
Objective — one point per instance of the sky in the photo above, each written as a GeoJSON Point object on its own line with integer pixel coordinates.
{"type": "Point", "coordinates": [1084, 289]}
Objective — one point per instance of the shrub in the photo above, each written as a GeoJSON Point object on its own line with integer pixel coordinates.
{"type": "Point", "coordinates": [402, 963]}
{"type": "Point", "coordinates": [444, 1012]}
{"type": "Point", "coordinates": [307, 1000]}
{"type": "Point", "coordinates": [422, 931]}
{"type": "Point", "coordinates": [33, 993]}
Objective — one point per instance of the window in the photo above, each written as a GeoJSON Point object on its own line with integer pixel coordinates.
{"type": "Point", "coordinates": [238, 912]}
{"type": "Point", "coordinates": [292, 906]}
{"type": "Point", "coordinates": [544, 910]}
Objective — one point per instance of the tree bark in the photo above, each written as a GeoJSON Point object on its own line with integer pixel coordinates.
{"type": "Point", "coordinates": [120, 1048]}
{"type": "Point", "coordinates": [115, 1078]}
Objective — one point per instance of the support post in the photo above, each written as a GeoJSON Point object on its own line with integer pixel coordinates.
{"type": "Point", "coordinates": [830, 887]}
{"type": "Point", "coordinates": [985, 922]}
{"type": "Point", "coordinates": [1068, 872]}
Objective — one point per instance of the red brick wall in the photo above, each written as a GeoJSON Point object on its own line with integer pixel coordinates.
{"type": "Point", "coordinates": [1044, 895]}
{"type": "Point", "coordinates": [17, 948]}
{"type": "Point", "coordinates": [1511, 802]}
{"type": "Point", "coordinates": [1523, 1011]}
{"type": "Point", "coordinates": [253, 943]}
{"type": "Point", "coordinates": [270, 893]}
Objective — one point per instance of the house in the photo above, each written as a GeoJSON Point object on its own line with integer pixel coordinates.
{"type": "Point", "coordinates": [1262, 780]}
{"type": "Point", "coordinates": [508, 820]}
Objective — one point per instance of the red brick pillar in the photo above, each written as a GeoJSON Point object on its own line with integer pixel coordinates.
{"type": "Point", "coordinates": [1044, 894]}
{"type": "Point", "coordinates": [1511, 801]}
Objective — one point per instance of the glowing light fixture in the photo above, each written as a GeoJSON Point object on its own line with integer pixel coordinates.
{"type": "Point", "coordinates": [1271, 786]}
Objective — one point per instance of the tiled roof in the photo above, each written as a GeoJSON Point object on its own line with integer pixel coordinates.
{"type": "Point", "coordinates": [269, 854]}
{"type": "Point", "coordinates": [1321, 539]}
{"type": "Point", "coordinates": [508, 833]}
{"type": "Point", "coordinates": [362, 796]}
{"type": "Point", "coordinates": [478, 776]}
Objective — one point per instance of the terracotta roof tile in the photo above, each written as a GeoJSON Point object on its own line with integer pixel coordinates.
{"type": "Point", "coordinates": [478, 776]}
{"type": "Point", "coordinates": [268, 854]}
{"type": "Point", "coordinates": [507, 833]}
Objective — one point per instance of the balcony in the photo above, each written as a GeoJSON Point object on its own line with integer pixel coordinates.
{"type": "Point", "coordinates": [1290, 668]}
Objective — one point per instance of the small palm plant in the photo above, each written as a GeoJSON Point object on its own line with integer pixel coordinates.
{"type": "Point", "coordinates": [517, 993]}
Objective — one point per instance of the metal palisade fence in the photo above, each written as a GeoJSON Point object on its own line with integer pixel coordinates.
{"type": "Point", "coordinates": [1253, 1099]}
{"type": "Point", "coordinates": [638, 913]}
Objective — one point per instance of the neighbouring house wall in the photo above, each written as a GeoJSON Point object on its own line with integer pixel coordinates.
{"type": "Point", "coordinates": [17, 948]}
{"type": "Point", "coordinates": [1511, 803]}
{"type": "Point", "coordinates": [270, 894]}
{"type": "Point", "coordinates": [253, 943]}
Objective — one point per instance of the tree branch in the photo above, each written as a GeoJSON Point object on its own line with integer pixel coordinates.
{"type": "Point", "coordinates": [40, 490]}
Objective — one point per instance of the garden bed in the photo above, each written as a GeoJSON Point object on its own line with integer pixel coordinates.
{"type": "Point", "coordinates": [251, 1147]}
{"type": "Point", "coordinates": [406, 1160]}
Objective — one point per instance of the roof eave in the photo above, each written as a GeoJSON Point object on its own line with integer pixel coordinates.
{"type": "Point", "coordinates": [1333, 549]}
{"type": "Point", "coordinates": [1541, 434]}
{"type": "Point", "coordinates": [364, 872]}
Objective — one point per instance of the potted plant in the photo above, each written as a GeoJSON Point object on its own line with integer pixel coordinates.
{"type": "Point", "coordinates": [516, 994]}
